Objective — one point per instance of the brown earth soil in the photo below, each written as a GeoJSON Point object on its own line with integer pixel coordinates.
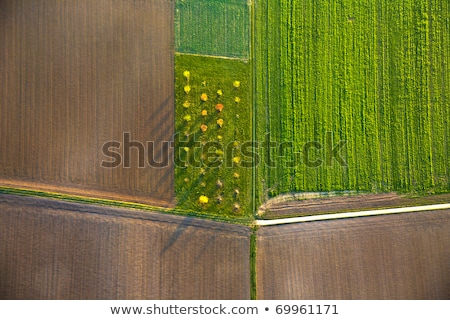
{"type": "Point", "coordinates": [71, 83]}
{"type": "Point", "coordinates": [53, 249]}
{"type": "Point", "coordinates": [399, 256]}
{"type": "Point", "coordinates": [337, 204]}
{"type": "Point", "coordinates": [70, 191]}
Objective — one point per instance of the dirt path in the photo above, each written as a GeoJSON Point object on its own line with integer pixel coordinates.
{"type": "Point", "coordinates": [337, 204]}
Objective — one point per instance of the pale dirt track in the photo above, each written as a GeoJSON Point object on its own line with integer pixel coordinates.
{"type": "Point", "coordinates": [337, 204]}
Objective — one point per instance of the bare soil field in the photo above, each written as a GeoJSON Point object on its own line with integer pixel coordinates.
{"type": "Point", "coordinates": [337, 204]}
{"type": "Point", "coordinates": [75, 75]}
{"type": "Point", "coordinates": [71, 251]}
{"type": "Point", "coordinates": [401, 256]}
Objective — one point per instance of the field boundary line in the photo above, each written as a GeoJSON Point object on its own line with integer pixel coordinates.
{"type": "Point", "coordinates": [117, 204]}
{"type": "Point", "coordinates": [211, 56]}
{"type": "Point", "coordinates": [347, 215]}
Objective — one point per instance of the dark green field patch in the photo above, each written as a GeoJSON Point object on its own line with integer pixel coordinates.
{"type": "Point", "coordinates": [213, 27]}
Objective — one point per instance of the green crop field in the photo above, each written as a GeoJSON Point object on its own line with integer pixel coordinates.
{"type": "Point", "coordinates": [213, 27]}
{"type": "Point", "coordinates": [346, 96]}
{"type": "Point", "coordinates": [357, 94]}
{"type": "Point", "coordinates": [213, 160]}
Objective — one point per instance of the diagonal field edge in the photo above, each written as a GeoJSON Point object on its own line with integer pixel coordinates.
{"type": "Point", "coordinates": [347, 215]}
{"type": "Point", "coordinates": [178, 53]}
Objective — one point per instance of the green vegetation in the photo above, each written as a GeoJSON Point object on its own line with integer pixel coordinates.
{"type": "Point", "coordinates": [349, 95]}
{"type": "Point", "coordinates": [213, 115]}
{"type": "Point", "coordinates": [213, 27]}
{"type": "Point", "coordinates": [253, 248]}
{"type": "Point", "coordinates": [371, 73]}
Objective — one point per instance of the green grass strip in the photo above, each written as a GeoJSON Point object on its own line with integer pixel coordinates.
{"type": "Point", "coordinates": [253, 245]}
{"type": "Point", "coordinates": [119, 204]}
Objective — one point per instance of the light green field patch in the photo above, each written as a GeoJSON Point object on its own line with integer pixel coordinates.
{"type": "Point", "coordinates": [212, 145]}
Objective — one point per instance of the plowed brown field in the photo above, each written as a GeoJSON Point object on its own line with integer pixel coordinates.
{"type": "Point", "coordinates": [57, 250]}
{"type": "Point", "coordinates": [75, 75]}
{"type": "Point", "coordinates": [399, 256]}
